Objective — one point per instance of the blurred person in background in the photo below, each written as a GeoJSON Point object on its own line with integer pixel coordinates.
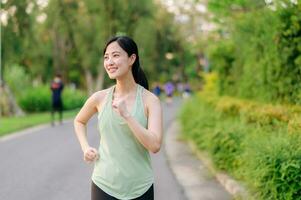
{"type": "Point", "coordinates": [187, 91]}
{"type": "Point", "coordinates": [157, 89]}
{"type": "Point", "coordinates": [169, 90]}
{"type": "Point", "coordinates": [57, 87]}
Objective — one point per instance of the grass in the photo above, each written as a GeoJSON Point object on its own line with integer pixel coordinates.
{"type": "Point", "coordinates": [11, 124]}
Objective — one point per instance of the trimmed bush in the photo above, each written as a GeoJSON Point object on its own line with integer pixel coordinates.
{"type": "Point", "coordinates": [73, 98]}
{"type": "Point", "coordinates": [275, 167]}
{"type": "Point", "coordinates": [225, 148]}
{"type": "Point", "coordinates": [38, 99]}
{"type": "Point", "coordinates": [264, 153]}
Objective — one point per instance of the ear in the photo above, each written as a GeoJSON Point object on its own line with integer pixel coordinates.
{"type": "Point", "coordinates": [132, 59]}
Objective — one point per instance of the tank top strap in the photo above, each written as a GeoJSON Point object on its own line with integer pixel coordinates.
{"type": "Point", "coordinates": [107, 100]}
{"type": "Point", "coordinates": [109, 96]}
{"type": "Point", "coordinates": [111, 92]}
{"type": "Point", "coordinates": [140, 104]}
{"type": "Point", "coordinates": [139, 94]}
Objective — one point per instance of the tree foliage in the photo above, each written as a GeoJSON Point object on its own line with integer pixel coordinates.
{"type": "Point", "coordinates": [258, 53]}
{"type": "Point", "coordinates": [67, 36]}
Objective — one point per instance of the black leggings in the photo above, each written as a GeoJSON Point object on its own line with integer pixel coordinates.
{"type": "Point", "coordinates": [98, 194]}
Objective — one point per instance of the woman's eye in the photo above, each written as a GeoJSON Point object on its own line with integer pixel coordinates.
{"type": "Point", "coordinates": [116, 55]}
{"type": "Point", "coordinates": [106, 57]}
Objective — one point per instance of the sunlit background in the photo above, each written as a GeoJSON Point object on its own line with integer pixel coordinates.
{"type": "Point", "coordinates": [241, 59]}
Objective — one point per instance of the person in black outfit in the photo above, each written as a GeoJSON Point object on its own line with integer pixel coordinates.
{"type": "Point", "coordinates": [57, 87]}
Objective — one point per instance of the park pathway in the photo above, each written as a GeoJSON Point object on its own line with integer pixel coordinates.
{"type": "Point", "coordinates": [46, 163]}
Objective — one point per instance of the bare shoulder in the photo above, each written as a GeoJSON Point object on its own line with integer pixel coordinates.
{"type": "Point", "coordinates": [98, 97]}
{"type": "Point", "coordinates": [101, 94]}
{"type": "Point", "coordinates": [152, 105]}
{"type": "Point", "coordinates": [150, 98]}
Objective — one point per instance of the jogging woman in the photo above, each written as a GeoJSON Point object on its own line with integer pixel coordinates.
{"type": "Point", "coordinates": [130, 125]}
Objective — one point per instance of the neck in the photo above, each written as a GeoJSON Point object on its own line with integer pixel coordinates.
{"type": "Point", "coordinates": [125, 85]}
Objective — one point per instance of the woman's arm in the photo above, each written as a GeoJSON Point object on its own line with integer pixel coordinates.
{"type": "Point", "coordinates": [150, 138]}
{"type": "Point", "coordinates": [80, 121]}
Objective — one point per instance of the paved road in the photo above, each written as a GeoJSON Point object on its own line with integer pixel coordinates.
{"type": "Point", "coordinates": [46, 163]}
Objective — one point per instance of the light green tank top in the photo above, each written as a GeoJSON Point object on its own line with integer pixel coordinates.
{"type": "Point", "coordinates": [124, 168]}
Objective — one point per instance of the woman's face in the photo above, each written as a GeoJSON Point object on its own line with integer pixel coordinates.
{"type": "Point", "coordinates": [116, 61]}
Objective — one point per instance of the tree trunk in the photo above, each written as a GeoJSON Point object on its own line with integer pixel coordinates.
{"type": "Point", "coordinates": [55, 49]}
{"type": "Point", "coordinates": [8, 104]}
{"type": "Point", "coordinates": [100, 77]}
{"type": "Point", "coordinates": [89, 81]}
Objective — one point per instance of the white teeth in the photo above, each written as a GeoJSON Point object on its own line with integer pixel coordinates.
{"type": "Point", "coordinates": [112, 69]}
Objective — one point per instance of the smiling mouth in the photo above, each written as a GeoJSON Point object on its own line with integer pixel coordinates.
{"type": "Point", "coordinates": [112, 69]}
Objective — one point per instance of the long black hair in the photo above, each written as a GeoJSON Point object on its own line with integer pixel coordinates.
{"type": "Point", "coordinates": [130, 47]}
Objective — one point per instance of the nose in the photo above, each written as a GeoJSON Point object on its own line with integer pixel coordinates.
{"type": "Point", "coordinates": [109, 61]}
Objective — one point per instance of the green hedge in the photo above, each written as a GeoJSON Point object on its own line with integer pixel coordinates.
{"type": "Point", "coordinates": [73, 99]}
{"type": "Point", "coordinates": [38, 99]}
{"type": "Point", "coordinates": [266, 156]}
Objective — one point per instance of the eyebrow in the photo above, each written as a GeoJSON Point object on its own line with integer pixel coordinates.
{"type": "Point", "coordinates": [113, 52]}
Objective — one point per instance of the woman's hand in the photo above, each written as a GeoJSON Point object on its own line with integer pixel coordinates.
{"type": "Point", "coordinates": [90, 155]}
{"type": "Point", "coordinates": [120, 107]}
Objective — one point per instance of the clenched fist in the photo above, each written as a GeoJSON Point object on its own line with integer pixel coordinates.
{"type": "Point", "coordinates": [120, 107]}
{"type": "Point", "coordinates": [90, 155]}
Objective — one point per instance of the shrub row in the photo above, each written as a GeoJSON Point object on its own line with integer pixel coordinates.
{"type": "Point", "coordinates": [255, 142]}
{"type": "Point", "coordinates": [38, 99]}
{"type": "Point", "coordinates": [263, 114]}
{"type": "Point", "coordinates": [250, 111]}
{"type": "Point", "coordinates": [263, 155]}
